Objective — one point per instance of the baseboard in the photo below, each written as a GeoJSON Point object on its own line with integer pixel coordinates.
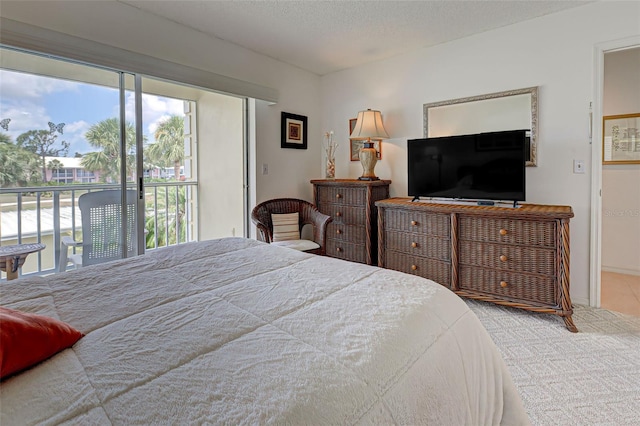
{"type": "Point", "coordinates": [580, 301]}
{"type": "Point", "coordinates": [620, 270]}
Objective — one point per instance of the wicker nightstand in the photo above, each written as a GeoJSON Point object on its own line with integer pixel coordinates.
{"type": "Point", "coordinates": [351, 203]}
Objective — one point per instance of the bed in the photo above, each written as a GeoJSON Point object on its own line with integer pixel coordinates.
{"type": "Point", "coordinates": [235, 331]}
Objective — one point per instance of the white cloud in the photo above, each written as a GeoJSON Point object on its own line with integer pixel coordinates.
{"type": "Point", "coordinates": [152, 127]}
{"type": "Point", "coordinates": [29, 86]}
{"type": "Point", "coordinates": [74, 133]}
{"type": "Point", "coordinates": [24, 119]}
{"type": "Point", "coordinates": [77, 126]}
{"type": "Point", "coordinates": [154, 110]}
{"type": "Point", "coordinates": [22, 98]}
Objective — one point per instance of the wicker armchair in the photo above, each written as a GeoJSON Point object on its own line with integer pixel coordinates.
{"type": "Point", "coordinates": [308, 214]}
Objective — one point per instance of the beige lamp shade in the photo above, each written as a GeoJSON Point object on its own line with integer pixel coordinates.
{"type": "Point", "coordinates": [368, 126]}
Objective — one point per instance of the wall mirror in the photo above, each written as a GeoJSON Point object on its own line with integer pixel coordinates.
{"type": "Point", "coordinates": [509, 110]}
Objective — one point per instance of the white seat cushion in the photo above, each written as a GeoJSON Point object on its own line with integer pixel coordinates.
{"type": "Point", "coordinates": [301, 245]}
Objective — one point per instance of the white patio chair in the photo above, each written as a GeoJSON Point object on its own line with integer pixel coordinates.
{"type": "Point", "coordinates": [101, 215]}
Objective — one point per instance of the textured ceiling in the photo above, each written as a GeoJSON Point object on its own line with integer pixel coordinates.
{"type": "Point", "coordinates": [327, 36]}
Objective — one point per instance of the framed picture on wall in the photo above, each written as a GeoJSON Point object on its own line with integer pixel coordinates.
{"type": "Point", "coordinates": [356, 144]}
{"type": "Point", "coordinates": [293, 131]}
{"type": "Point", "coordinates": [621, 139]}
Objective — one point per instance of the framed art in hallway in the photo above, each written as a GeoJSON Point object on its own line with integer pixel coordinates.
{"type": "Point", "coordinates": [293, 131]}
{"type": "Point", "coordinates": [621, 139]}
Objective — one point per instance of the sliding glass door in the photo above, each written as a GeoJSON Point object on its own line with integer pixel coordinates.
{"type": "Point", "coordinates": [69, 146]}
{"type": "Point", "coordinates": [167, 154]}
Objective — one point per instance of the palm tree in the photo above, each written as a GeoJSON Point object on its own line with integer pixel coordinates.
{"type": "Point", "coordinates": [106, 136]}
{"type": "Point", "coordinates": [168, 150]}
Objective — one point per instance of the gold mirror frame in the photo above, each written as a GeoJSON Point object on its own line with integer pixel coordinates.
{"type": "Point", "coordinates": [492, 100]}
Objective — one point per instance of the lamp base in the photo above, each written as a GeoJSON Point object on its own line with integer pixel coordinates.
{"type": "Point", "coordinates": [368, 158]}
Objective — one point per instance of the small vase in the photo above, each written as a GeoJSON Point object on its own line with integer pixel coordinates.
{"type": "Point", "coordinates": [330, 172]}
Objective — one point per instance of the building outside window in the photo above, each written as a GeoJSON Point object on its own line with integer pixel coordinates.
{"type": "Point", "coordinates": [85, 176]}
{"type": "Point", "coordinates": [62, 175]}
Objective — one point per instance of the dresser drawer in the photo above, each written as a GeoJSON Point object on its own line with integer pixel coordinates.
{"type": "Point", "coordinates": [347, 215]}
{"type": "Point", "coordinates": [432, 269]}
{"type": "Point", "coordinates": [509, 231]}
{"type": "Point", "coordinates": [508, 257]}
{"type": "Point", "coordinates": [418, 222]}
{"type": "Point", "coordinates": [347, 251]}
{"type": "Point", "coordinates": [349, 233]}
{"type": "Point", "coordinates": [341, 195]}
{"type": "Point", "coordinates": [418, 245]}
{"type": "Point", "coordinates": [509, 285]}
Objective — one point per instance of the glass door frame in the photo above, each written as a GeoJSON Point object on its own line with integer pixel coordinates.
{"type": "Point", "coordinates": [139, 181]}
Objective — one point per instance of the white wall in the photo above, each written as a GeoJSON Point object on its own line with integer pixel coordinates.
{"type": "Point", "coordinates": [120, 25]}
{"type": "Point", "coordinates": [621, 183]}
{"type": "Point", "coordinates": [220, 171]}
{"type": "Point", "coordinates": [554, 52]}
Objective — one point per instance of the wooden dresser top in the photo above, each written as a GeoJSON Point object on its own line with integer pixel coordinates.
{"type": "Point", "coordinates": [350, 182]}
{"type": "Point", "coordinates": [539, 211]}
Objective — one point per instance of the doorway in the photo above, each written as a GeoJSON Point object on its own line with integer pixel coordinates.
{"type": "Point", "coordinates": [620, 261]}
{"type": "Point", "coordinates": [616, 198]}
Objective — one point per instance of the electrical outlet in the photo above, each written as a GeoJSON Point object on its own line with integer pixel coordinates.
{"type": "Point", "coordinates": [265, 169]}
{"type": "Point", "coordinates": [578, 166]}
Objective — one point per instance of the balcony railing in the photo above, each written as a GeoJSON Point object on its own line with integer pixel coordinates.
{"type": "Point", "coordinates": [45, 214]}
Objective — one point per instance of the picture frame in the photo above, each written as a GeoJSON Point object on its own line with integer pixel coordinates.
{"type": "Point", "coordinates": [356, 144]}
{"type": "Point", "coordinates": [293, 130]}
{"type": "Point", "coordinates": [621, 139]}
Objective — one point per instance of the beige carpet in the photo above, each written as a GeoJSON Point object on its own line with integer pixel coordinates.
{"type": "Point", "coordinates": [586, 378]}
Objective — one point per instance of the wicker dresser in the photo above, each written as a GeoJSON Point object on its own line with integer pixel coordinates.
{"type": "Point", "coordinates": [352, 235]}
{"type": "Point", "coordinates": [514, 257]}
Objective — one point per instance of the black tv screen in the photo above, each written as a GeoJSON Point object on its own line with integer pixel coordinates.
{"type": "Point", "coordinates": [484, 166]}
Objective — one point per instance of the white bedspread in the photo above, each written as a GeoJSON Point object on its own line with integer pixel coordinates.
{"type": "Point", "coordinates": [234, 331]}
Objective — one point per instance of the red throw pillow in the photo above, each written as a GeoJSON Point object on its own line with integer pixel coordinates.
{"type": "Point", "coordinates": [27, 339]}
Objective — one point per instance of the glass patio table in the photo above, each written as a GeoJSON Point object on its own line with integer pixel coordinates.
{"type": "Point", "coordinates": [12, 257]}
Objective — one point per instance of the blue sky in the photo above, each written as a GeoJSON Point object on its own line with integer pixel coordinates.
{"type": "Point", "coordinates": [32, 101]}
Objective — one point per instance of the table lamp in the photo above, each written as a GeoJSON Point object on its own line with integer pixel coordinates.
{"type": "Point", "coordinates": [368, 125]}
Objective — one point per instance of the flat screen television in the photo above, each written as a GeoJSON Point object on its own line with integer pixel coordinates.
{"type": "Point", "coordinates": [483, 166]}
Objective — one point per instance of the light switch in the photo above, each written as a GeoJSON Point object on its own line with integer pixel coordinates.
{"type": "Point", "coordinates": [578, 166]}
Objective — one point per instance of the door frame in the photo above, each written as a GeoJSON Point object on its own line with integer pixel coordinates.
{"type": "Point", "coordinates": [595, 267]}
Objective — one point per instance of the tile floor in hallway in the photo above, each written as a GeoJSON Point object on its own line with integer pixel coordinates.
{"type": "Point", "coordinates": [620, 293]}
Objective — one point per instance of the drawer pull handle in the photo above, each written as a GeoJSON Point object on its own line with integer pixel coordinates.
{"type": "Point", "coordinates": [503, 258]}
{"type": "Point", "coordinates": [503, 284]}
{"type": "Point", "coordinates": [414, 267]}
{"type": "Point", "coordinates": [338, 232]}
{"type": "Point", "coordinates": [414, 223]}
{"type": "Point", "coordinates": [338, 196]}
{"type": "Point", "coordinates": [503, 232]}
{"type": "Point", "coordinates": [414, 244]}
{"type": "Point", "coordinates": [338, 214]}
{"type": "Point", "coordinates": [338, 249]}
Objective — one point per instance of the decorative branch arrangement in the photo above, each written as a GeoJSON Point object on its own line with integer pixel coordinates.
{"type": "Point", "coordinates": [330, 149]}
